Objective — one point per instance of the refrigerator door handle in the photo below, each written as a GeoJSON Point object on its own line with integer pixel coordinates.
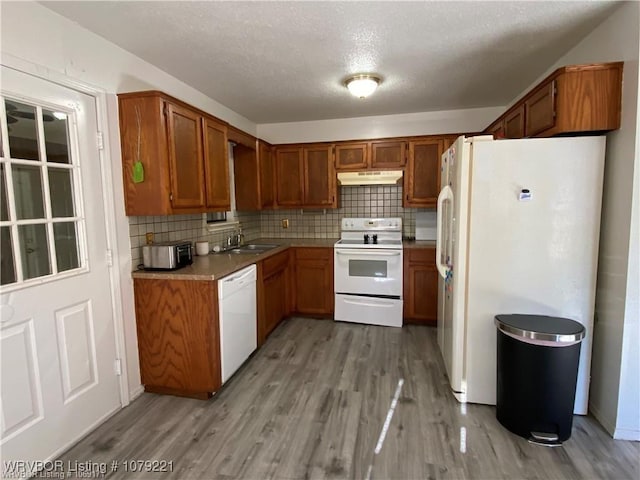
{"type": "Point", "coordinates": [445, 194]}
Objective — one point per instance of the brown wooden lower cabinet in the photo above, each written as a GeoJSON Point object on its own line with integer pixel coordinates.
{"type": "Point", "coordinates": [178, 336]}
{"type": "Point", "coordinates": [178, 324]}
{"type": "Point", "coordinates": [274, 290]}
{"type": "Point", "coordinates": [420, 286]}
{"type": "Point", "coordinates": [313, 280]}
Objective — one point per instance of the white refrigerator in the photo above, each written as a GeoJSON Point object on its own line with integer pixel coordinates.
{"type": "Point", "coordinates": [518, 225]}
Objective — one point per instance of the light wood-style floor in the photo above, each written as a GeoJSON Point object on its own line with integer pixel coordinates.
{"type": "Point", "coordinates": [312, 403]}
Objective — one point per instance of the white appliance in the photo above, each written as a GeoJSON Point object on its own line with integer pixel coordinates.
{"type": "Point", "coordinates": [518, 230]}
{"type": "Point", "coordinates": [368, 271]}
{"type": "Point", "coordinates": [238, 319]}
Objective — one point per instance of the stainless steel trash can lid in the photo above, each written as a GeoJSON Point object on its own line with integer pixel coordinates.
{"type": "Point", "coordinates": [541, 328]}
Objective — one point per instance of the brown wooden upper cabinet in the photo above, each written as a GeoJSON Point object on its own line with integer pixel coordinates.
{"type": "Point", "coordinates": [216, 166]}
{"type": "Point", "coordinates": [254, 177]}
{"type": "Point", "coordinates": [319, 177]}
{"type": "Point", "coordinates": [496, 128]}
{"type": "Point", "coordinates": [448, 140]}
{"type": "Point", "coordinates": [514, 123]}
{"type": "Point", "coordinates": [573, 99]}
{"type": "Point", "coordinates": [388, 154]}
{"type": "Point", "coordinates": [352, 156]}
{"type": "Point", "coordinates": [183, 153]}
{"type": "Point", "coordinates": [186, 165]}
{"type": "Point", "coordinates": [267, 175]}
{"type": "Point", "coordinates": [305, 176]}
{"type": "Point", "coordinates": [289, 176]}
{"type": "Point", "coordinates": [377, 155]}
{"type": "Point", "coordinates": [422, 175]}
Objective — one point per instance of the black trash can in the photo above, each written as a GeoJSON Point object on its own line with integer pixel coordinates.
{"type": "Point", "coordinates": [537, 371]}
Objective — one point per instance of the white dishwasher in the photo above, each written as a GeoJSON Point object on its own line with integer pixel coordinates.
{"type": "Point", "coordinates": [238, 322]}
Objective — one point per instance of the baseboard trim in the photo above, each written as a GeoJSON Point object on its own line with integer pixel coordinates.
{"type": "Point", "coordinates": [608, 426]}
{"type": "Point", "coordinates": [626, 434]}
{"type": "Point", "coordinates": [136, 392]}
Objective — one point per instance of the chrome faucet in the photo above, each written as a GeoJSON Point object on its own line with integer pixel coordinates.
{"type": "Point", "coordinates": [234, 240]}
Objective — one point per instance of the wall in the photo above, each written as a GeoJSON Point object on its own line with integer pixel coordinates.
{"type": "Point", "coordinates": [615, 389]}
{"type": "Point", "coordinates": [62, 49]}
{"type": "Point", "coordinates": [424, 123]}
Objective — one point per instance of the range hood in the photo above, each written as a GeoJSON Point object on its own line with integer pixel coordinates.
{"type": "Point", "coordinates": [382, 177]}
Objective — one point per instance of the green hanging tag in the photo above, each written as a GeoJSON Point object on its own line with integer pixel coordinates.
{"type": "Point", "coordinates": [138, 172]}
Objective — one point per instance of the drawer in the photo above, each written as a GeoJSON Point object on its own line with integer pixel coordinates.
{"type": "Point", "coordinates": [314, 253]}
{"type": "Point", "coordinates": [421, 255]}
{"type": "Point", "coordinates": [275, 263]}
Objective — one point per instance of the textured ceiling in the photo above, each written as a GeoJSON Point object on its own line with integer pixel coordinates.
{"type": "Point", "coordinates": [286, 61]}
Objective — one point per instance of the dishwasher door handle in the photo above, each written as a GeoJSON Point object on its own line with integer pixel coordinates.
{"type": "Point", "coordinates": [238, 278]}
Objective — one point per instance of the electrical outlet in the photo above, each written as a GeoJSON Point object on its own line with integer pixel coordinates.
{"type": "Point", "coordinates": [149, 238]}
{"type": "Point", "coordinates": [285, 223]}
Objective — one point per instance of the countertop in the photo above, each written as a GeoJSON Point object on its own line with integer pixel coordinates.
{"type": "Point", "coordinates": [217, 265]}
{"type": "Point", "coordinates": [419, 244]}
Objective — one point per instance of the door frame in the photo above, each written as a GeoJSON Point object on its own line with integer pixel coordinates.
{"type": "Point", "coordinates": [108, 195]}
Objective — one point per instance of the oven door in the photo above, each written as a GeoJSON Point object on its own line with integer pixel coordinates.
{"type": "Point", "coordinates": [368, 272]}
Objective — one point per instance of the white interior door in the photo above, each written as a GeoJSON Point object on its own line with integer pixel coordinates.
{"type": "Point", "coordinates": [56, 334]}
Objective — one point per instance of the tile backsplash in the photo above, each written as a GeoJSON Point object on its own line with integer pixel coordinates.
{"type": "Point", "coordinates": [363, 201]}
{"type": "Point", "coordinates": [185, 227]}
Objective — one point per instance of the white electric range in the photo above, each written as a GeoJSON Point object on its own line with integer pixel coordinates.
{"type": "Point", "coordinates": [368, 271]}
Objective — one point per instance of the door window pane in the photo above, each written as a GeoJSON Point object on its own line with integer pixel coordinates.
{"type": "Point", "coordinates": [23, 136]}
{"type": "Point", "coordinates": [66, 241]}
{"type": "Point", "coordinates": [61, 191]}
{"type": "Point", "coordinates": [368, 268]}
{"type": "Point", "coordinates": [56, 137]}
{"type": "Point", "coordinates": [7, 265]}
{"type": "Point", "coordinates": [27, 188]}
{"type": "Point", "coordinates": [4, 209]}
{"type": "Point", "coordinates": [34, 250]}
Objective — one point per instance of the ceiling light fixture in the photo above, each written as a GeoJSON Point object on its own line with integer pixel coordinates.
{"type": "Point", "coordinates": [362, 85]}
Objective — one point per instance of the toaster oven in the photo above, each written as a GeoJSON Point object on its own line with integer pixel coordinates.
{"type": "Point", "coordinates": [167, 255]}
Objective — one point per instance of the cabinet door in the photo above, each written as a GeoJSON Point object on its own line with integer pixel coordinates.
{"type": "Point", "coordinates": [274, 300]}
{"type": "Point", "coordinates": [422, 175]}
{"type": "Point", "coordinates": [216, 166]}
{"type": "Point", "coordinates": [388, 154]}
{"type": "Point", "coordinates": [289, 176]}
{"type": "Point", "coordinates": [319, 177]}
{"type": "Point", "coordinates": [352, 156]}
{"type": "Point", "coordinates": [185, 157]}
{"type": "Point", "coordinates": [420, 286]}
{"type": "Point", "coordinates": [540, 110]}
{"type": "Point", "coordinates": [178, 336]}
{"type": "Point", "coordinates": [447, 141]}
{"type": "Point", "coordinates": [314, 281]}
{"type": "Point", "coordinates": [496, 129]}
{"type": "Point", "coordinates": [267, 174]}
{"type": "Point", "coordinates": [514, 123]}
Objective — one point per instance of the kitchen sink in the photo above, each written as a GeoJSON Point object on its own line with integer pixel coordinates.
{"type": "Point", "coordinates": [255, 248]}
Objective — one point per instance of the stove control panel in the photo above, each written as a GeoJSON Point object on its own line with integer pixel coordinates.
{"type": "Point", "coordinates": [371, 224]}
